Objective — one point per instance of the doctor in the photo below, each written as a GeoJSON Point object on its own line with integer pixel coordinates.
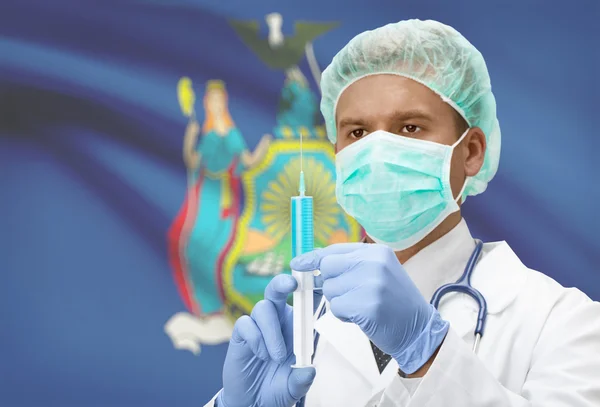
{"type": "Point", "coordinates": [410, 109]}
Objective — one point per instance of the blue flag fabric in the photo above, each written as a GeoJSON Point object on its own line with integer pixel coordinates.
{"type": "Point", "coordinates": [124, 261]}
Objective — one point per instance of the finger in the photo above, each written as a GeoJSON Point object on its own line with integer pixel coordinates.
{"type": "Point", "coordinates": [267, 320]}
{"type": "Point", "coordinates": [245, 331]}
{"type": "Point", "coordinates": [279, 289]}
{"type": "Point", "coordinates": [342, 284]}
{"type": "Point", "coordinates": [335, 265]}
{"type": "Point", "coordinates": [344, 308]}
{"type": "Point", "coordinates": [300, 380]}
{"type": "Point", "coordinates": [312, 260]}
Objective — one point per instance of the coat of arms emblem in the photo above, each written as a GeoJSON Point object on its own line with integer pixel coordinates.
{"type": "Point", "coordinates": [232, 234]}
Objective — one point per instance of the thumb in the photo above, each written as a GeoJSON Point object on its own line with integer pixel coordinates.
{"type": "Point", "coordinates": [300, 381]}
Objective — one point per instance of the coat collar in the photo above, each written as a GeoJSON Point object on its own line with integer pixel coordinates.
{"type": "Point", "coordinates": [498, 276]}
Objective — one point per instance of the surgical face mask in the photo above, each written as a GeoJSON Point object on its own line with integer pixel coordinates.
{"type": "Point", "coordinates": [397, 188]}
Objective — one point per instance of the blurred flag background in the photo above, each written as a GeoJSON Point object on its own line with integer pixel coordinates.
{"type": "Point", "coordinates": [148, 150]}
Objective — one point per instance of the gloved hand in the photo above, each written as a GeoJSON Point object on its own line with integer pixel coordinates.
{"type": "Point", "coordinates": [257, 369]}
{"type": "Point", "coordinates": [366, 284]}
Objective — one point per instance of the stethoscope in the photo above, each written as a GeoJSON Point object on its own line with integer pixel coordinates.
{"type": "Point", "coordinates": [462, 285]}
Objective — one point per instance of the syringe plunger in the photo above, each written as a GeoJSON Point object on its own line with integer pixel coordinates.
{"type": "Point", "coordinates": [303, 319]}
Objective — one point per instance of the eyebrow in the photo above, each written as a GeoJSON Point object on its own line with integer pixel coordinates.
{"type": "Point", "coordinates": [399, 115]}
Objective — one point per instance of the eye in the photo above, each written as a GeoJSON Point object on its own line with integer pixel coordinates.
{"type": "Point", "coordinates": [358, 133]}
{"type": "Point", "coordinates": [410, 128]}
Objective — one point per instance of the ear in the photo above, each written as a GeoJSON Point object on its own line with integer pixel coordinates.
{"type": "Point", "coordinates": [474, 151]}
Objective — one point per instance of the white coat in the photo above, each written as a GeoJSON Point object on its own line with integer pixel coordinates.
{"type": "Point", "coordinates": [541, 347]}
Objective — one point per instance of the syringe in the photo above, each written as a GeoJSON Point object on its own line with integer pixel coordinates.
{"type": "Point", "coordinates": [303, 242]}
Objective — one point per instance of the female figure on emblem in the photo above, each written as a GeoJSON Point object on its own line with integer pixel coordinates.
{"type": "Point", "coordinates": [206, 225]}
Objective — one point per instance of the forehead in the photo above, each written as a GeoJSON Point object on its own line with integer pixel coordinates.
{"type": "Point", "coordinates": [384, 95]}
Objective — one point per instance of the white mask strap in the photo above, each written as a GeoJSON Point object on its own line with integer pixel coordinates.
{"type": "Point", "coordinates": [461, 190]}
{"type": "Point", "coordinates": [460, 139]}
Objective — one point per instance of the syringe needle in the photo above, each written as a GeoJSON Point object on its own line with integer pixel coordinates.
{"type": "Point", "coordinates": [302, 188]}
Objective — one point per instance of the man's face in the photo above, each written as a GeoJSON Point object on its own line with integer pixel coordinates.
{"type": "Point", "coordinates": [401, 106]}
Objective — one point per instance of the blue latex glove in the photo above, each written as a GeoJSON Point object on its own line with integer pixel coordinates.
{"type": "Point", "coordinates": [366, 284]}
{"type": "Point", "coordinates": [257, 369]}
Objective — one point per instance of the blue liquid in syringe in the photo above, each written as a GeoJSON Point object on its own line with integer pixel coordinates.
{"type": "Point", "coordinates": [302, 221]}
